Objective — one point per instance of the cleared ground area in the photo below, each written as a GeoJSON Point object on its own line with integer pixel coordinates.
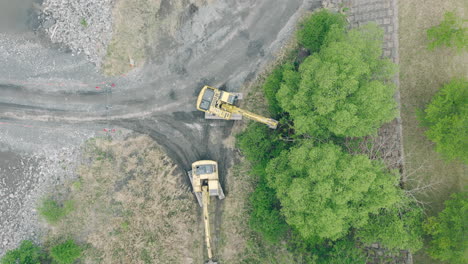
{"type": "Point", "coordinates": [422, 73]}
{"type": "Point", "coordinates": [130, 205]}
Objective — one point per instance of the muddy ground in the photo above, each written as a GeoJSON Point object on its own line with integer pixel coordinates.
{"type": "Point", "coordinates": [52, 100]}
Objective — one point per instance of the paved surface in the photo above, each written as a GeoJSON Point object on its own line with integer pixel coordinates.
{"type": "Point", "coordinates": [51, 101]}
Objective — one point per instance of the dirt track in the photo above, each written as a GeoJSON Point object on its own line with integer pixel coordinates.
{"type": "Point", "coordinates": [52, 100]}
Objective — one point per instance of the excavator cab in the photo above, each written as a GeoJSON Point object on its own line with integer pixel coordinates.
{"type": "Point", "coordinates": [218, 104]}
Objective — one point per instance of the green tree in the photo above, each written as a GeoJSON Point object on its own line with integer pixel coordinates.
{"type": "Point", "coordinates": [265, 217]}
{"type": "Point", "coordinates": [450, 32]}
{"type": "Point", "coordinates": [325, 191]}
{"type": "Point", "coordinates": [313, 31]}
{"type": "Point", "coordinates": [399, 227]}
{"type": "Point", "coordinates": [446, 117]}
{"type": "Point", "coordinates": [66, 253]}
{"type": "Point", "coordinates": [26, 253]}
{"type": "Point", "coordinates": [449, 231]}
{"type": "Point", "coordinates": [344, 89]}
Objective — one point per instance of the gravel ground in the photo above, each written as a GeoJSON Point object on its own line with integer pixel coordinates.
{"type": "Point", "coordinates": [29, 171]}
{"type": "Point", "coordinates": [84, 26]}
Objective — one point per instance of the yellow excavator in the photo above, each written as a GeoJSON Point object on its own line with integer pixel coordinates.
{"type": "Point", "coordinates": [219, 104]}
{"type": "Point", "coordinates": [205, 183]}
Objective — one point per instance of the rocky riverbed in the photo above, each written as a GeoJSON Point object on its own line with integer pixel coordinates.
{"type": "Point", "coordinates": [83, 26]}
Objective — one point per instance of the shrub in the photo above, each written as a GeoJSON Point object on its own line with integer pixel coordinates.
{"type": "Point", "coordinates": [448, 231]}
{"type": "Point", "coordinates": [66, 253]}
{"type": "Point", "coordinates": [313, 31]}
{"type": "Point", "coordinates": [446, 117]}
{"type": "Point", "coordinates": [345, 89]}
{"type": "Point", "coordinates": [344, 252]}
{"type": "Point", "coordinates": [395, 228]}
{"type": "Point", "coordinates": [324, 191]}
{"type": "Point", "coordinates": [259, 144]}
{"type": "Point", "coordinates": [270, 88]}
{"type": "Point", "coordinates": [450, 32]}
{"type": "Point", "coordinates": [53, 211]}
{"type": "Point", "coordinates": [265, 217]}
{"type": "Point", "coordinates": [26, 253]}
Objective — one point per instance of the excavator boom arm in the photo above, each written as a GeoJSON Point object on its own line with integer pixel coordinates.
{"type": "Point", "coordinates": [265, 120]}
{"type": "Point", "coordinates": [206, 218]}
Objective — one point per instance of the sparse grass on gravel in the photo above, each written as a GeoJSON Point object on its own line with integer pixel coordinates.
{"type": "Point", "coordinates": [131, 206]}
{"type": "Point", "coordinates": [422, 73]}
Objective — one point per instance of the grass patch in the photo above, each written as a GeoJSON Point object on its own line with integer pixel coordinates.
{"type": "Point", "coordinates": [52, 211]}
{"type": "Point", "coordinates": [83, 22]}
{"type": "Point", "coordinates": [422, 73]}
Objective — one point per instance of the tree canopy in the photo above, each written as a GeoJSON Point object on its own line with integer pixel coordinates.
{"type": "Point", "coordinates": [344, 89]}
{"type": "Point", "coordinates": [449, 231]}
{"type": "Point", "coordinates": [398, 227]}
{"type": "Point", "coordinates": [314, 30]}
{"type": "Point", "coordinates": [324, 191]}
{"type": "Point", "coordinates": [446, 117]}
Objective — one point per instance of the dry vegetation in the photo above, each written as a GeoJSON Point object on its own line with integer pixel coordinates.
{"type": "Point", "coordinates": [422, 73]}
{"type": "Point", "coordinates": [132, 207]}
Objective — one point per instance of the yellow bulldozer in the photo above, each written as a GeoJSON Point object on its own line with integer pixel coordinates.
{"type": "Point", "coordinates": [205, 183]}
{"type": "Point", "coordinates": [219, 104]}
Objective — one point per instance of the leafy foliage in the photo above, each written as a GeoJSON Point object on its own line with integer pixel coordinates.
{"type": "Point", "coordinates": [66, 253]}
{"type": "Point", "coordinates": [271, 87]}
{"type": "Point", "coordinates": [398, 227]}
{"type": "Point", "coordinates": [446, 116]}
{"type": "Point", "coordinates": [259, 144]}
{"type": "Point", "coordinates": [314, 30]}
{"type": "Point", "coordinates": [450, 32]}
{"type": "Point", "coordinates": [324, 191]}
{"type": "Point", "coordinates": [344, 252]}
{"type": "Point", "coordinates": [26, 253]}
{"type": "Point", "coordinates": [344, 89]}
{"type": "Point", "coordinates": [265, 217]}
{"type": "Point", "coordinates": [449, 231]}
{"type": "Point", "coordinates": [53, 211]}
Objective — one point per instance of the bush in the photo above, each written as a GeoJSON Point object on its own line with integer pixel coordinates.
{"type": "Point", "coordinates": [450, 32]}
{"type": "Point", "coordinates": [53, 212]}
{"type": "Point", "coordinates": [395, 228]}
{"type": "Point", "coordinates": [270, 88]}
{"type": "Point", "coordinates": [344, 252]}
{"type": "Point", "coordinates": [448, 231]}
{"type": "Point", "coordinates": [26, 253]}
{"type": "Point", "coordinates": [446, 117]}
{"type": "Point", "coordinates": [265, 217]}
{"type": "Point", "coordinates": [66, 253]}
{"type": "Point", "coordinates": [313, 31]}
{"type": "Point", "coordinates": [324, 191]}
{"type": "Point", "coordinates": [259, 144]}
{"type": "Point", "coordinates": [345, 89]}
